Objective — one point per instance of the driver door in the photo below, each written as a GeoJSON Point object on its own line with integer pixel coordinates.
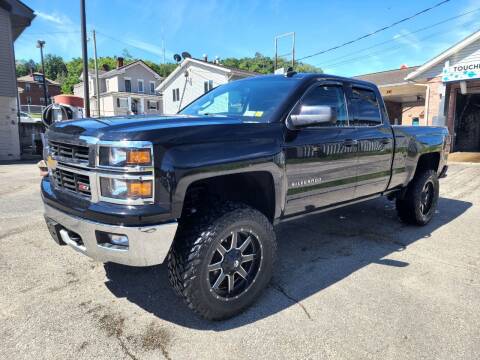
{"type": "Point", "coordinates": [321, 159]}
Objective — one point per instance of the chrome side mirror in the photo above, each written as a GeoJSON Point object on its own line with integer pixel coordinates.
{"type": "Point", "coordinates": [314, 115]}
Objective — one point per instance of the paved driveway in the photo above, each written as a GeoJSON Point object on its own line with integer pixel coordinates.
{"type": "Point", "coordinates": [351, 284]}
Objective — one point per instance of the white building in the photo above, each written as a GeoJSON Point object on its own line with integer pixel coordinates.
{"type": "Point", "coordinates": [128, 89]}
{"type": "Point", "coordinates": [191, 79]}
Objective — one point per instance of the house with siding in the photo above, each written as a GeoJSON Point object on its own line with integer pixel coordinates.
{"type": "Point", "coordinates": [14, 18]}
{"type": "Point", "coordinates": [192, 78]}
{"type": "Point", "coordinates": [126, 90]}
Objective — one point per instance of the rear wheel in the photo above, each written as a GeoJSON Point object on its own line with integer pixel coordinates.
{"type": "Point", "coordinates": [223, 260]}
{"type": "Point", "coordinates": [420, 201]}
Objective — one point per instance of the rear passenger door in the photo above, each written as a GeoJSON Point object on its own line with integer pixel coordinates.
{"type": "Point", "coordinates": [374, 141]}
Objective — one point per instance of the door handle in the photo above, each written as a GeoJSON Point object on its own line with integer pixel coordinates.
{"type": "Point", "coordinates": [350, 142]}
{"type": "Point", "coordinates": [386, 141]}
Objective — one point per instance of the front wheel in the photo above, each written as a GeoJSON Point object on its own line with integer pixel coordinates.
{"type": "Point", "coordinates": [420, 201]}
{"type": "Point", "coordinates": [223, 261]}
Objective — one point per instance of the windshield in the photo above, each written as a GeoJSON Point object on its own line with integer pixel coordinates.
{"type": "Point", "coordinates": [255, 98]}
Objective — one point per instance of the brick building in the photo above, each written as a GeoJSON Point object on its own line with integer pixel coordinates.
{"type": "Point", "coordinates": [32, 89]}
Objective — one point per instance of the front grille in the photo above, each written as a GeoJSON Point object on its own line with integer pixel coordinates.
{"type": "Point", "coordinates": [68, 151]}
{"type": "Point", "coordinates": [72, 181]}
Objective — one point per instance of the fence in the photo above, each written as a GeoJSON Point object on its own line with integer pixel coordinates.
{"type": "Point", "coordinates": [32, 109]}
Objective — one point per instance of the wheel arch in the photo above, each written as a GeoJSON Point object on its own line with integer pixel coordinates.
{"type": "Point", "coordinates": [258, 188]}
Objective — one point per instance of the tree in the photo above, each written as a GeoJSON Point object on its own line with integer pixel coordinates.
{"type": "Point", "coordinates": [54, 66]}
{"type": "Point", "coordinates": [74, 70]}
{"type": "Point", "coordinates": [23, 67]}
{"type": "Point", "coordinates": [128, 58]}
{"type": "Point", "coordinates": [265, 64]}
{"type": "Point", "coordinates": [161, 69]}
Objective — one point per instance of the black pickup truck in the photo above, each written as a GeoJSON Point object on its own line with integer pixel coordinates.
{"type": "Point", "coordinates": [203, 189]}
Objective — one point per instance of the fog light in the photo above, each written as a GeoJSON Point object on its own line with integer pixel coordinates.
{"type": "Point", "coordinates": [119, 240]}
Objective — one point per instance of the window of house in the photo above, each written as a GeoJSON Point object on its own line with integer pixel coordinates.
{"type": "Point", "coordinates": [140, 85]}
{"type": "Point", "coordinates": [29, 100]}
{"type": "Point", "coordinates": [122, 103]}
{"type": "Point", "coordinates": [107, 85]}
{"type": "Point", "coordinates": [328, 95]}
{"type": "Point", "coordinates": [207, 86]}
{"type": "Point", "coordinates": [128, 85]}
{"type": "Point", "coordinates": [152, 87]}
{"type": "Point", "coordinates": [42, 100]}
{"type": "Point", "coordinates": [38, 78]}
{"type": "Point", "coordinates": [176, 94]}
{"type": "Point", "coordinates": [27, 87]}
{"type": "Point", "coordinates": [366, 110]}
{"type": "Point", "coordinates": [152, 105]}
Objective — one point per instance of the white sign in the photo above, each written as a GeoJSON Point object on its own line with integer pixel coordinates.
{"type": "Point", "coordinates": [461, 72]}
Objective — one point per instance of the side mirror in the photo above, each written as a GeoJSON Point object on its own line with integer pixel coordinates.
{"type": "Point", "coordinates": [314, 115]}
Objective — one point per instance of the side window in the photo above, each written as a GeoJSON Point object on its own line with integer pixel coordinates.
{"type": "Point", "coordinates": [366, 110]}
{"type": "Point", "coordinates": [329, 95]}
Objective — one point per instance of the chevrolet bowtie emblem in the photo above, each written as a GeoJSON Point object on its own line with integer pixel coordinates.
{"type": "Point", "coordinates": [51, 163]}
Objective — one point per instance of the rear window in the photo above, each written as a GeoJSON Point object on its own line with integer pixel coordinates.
{"type": "Point", "coordinates": [366, 110]}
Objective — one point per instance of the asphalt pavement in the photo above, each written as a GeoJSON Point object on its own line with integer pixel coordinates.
{"type": "Point", "coordinates": [354, 283]}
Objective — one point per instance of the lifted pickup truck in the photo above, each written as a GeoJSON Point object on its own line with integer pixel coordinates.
{"type": "Point", "coordinates": [202, 189]}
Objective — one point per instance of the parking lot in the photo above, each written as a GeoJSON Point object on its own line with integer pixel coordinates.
{"type": "Point", "coordinates": [353, 283]}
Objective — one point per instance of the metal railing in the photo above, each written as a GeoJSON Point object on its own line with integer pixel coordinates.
{"type": "Point", "coordinates": [32, 109]}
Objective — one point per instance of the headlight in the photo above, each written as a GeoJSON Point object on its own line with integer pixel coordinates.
{"type": "Point", "coordinates": [123, 157]}
{"type": "Point", "coordinates": [126, 189]}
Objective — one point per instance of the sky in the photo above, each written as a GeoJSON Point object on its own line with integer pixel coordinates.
{"type": "Point", "coordinates": [234, 28]}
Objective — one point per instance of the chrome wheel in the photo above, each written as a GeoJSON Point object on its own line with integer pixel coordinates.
{"type": "Point", "coordinates": [234, 265]}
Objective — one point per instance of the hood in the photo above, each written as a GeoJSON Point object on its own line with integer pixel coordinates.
{"type": "Point", "coordinates": [126, 126]}
{"type": "Point", "coordinates": [164, 130]}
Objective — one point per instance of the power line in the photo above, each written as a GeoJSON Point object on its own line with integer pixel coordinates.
{"type": "Point", "coordinates": [128, 44]}
{"type": "Point", "coordinates": [392, 49]}
{"type": "Point", "coordinates": [51, 32]}
{"type": "Point", "coordinates": [375, 32]}
{"type": "Point", "coordinates": [401, 36]}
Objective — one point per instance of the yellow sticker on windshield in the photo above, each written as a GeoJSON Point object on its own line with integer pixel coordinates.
{"type": "Point", "coordinates": [258, 113]}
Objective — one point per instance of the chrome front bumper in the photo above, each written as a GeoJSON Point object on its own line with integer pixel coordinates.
{"type": "Point", "coordinates": [147, 246]}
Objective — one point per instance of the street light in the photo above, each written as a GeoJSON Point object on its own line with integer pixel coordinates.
{"type": "Point", "coordinates": [40, 45]}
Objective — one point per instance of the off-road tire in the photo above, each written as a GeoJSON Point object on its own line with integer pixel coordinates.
{"type": "Point", "coordinates": [197, 237]}
{"type": "Point", "coordinates": [409, 208]}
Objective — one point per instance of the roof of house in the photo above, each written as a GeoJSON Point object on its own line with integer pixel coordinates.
{"type": "Point", "coordinates": [444, 55]}
{"type": "Point", "coordinates": [29, 78]}
{"type": "Point", "coordinates": [226, 69]}
{"type": "Point", "coordinates": [21, 15]}
{"type": "Point", "coordinates": [389, 77]}
{"type": "Point", "coordinates": [91, 73]}
{"type": "Point", "coordinates": [122, 69]}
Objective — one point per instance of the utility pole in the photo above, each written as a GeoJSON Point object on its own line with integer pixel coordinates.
{"type": "Point", "coordinates": [40, 45]}
{"type": "Point", "coordinates": [86, 95]}
{"type": "Point", "coordinates": [96, 72]}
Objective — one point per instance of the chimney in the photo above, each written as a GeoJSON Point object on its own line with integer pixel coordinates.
{"type": "Point", "coordinates": [205, 57]}
{"type": "Point", "coordinates": [119, 62]}
{"type": "Point", "coordinates": [31, 71]}
{"type": "Point", "coordinates": [105, 67]}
